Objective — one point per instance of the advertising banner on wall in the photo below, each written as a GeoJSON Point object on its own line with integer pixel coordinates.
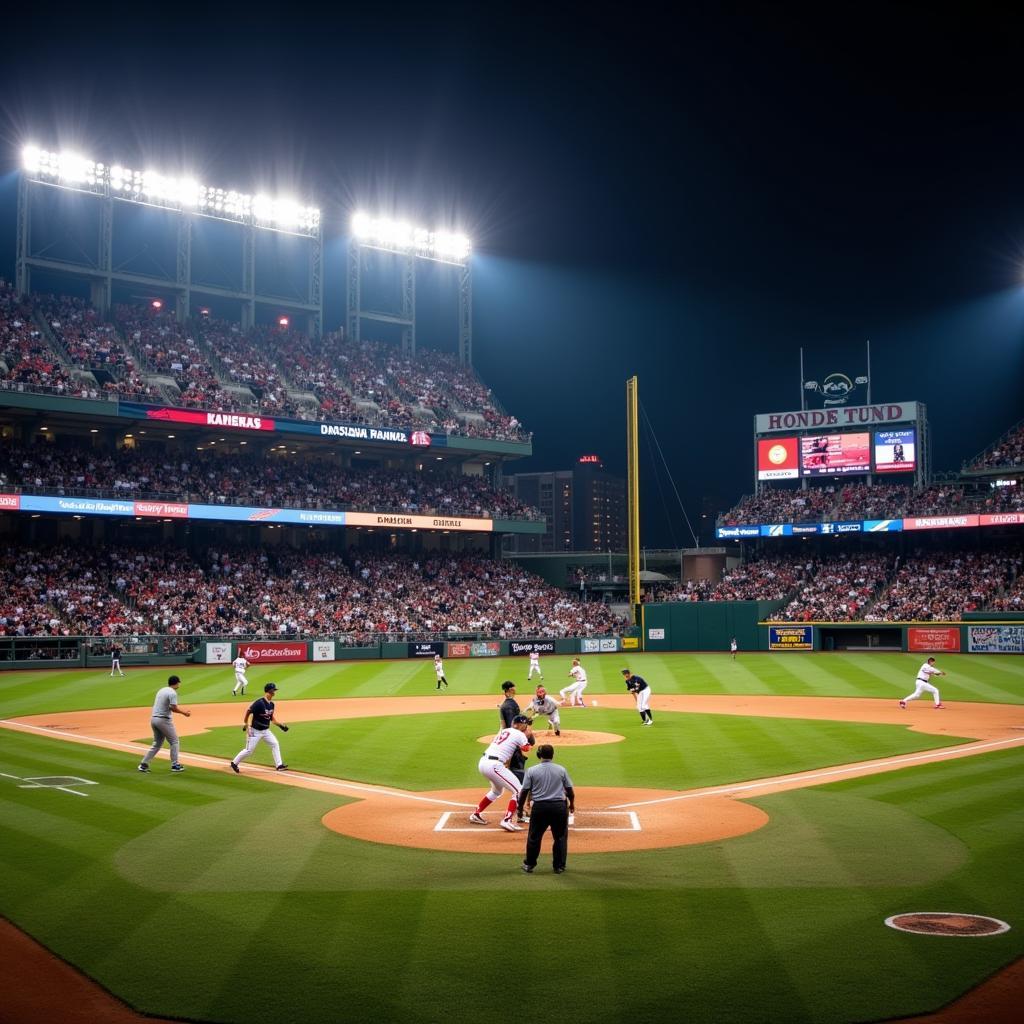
{"type": "Point", "coordinates": [218, 653]}
{"type": "Point", "coordinates": [995, 639]}
{"type": "Point", "coordinates": [655, 633]}
{"type": "Point", "coordinates": [895, 451]}
{"type": "Point", "coordinates": [790, 638]}
{"type": "Point", "coordinates": [631, 643]}
{"type": "Point", "coordinates": [835, 454]}
{"type": "Point", "coordinates": [263, 652]}
{"type": "Point", "coordinates": [427, 650]}
{"type": "Point", "coordinates": [835, 418]}
{"type": "Point", "coordinates": [323, 650]}
{"type": "Point", "coordinates": [529, 646]}
{"type": "Point", "coordinates": [933, 638]}
{"type": "Point", "coordinates": [406, 522]}
{"type": "Point", "coordinates": [940, 522]}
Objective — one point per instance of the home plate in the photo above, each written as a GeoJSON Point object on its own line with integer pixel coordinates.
{"type": "Point", "coordinates": [581, 821]}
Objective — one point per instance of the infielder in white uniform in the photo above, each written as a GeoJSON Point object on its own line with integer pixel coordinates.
{"type": "Point", "coordinates": [240, 665]}
{"type": "Point", "coordinates": [924, 673]}
{"type": "Point", "coordinates": [493, 766]}
{"type": "Point", "coordinates": [542, 704]}
{"type": "Point", "coordinates": [573, 693]}
{"type": "Point", "coordinates": [439, 671]}
{"type": "Point", "coordinates": [534, 665]}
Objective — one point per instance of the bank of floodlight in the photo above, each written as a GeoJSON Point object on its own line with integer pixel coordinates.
{"type": "Point", "coordinates": [401, 236]}
{"type": "Point", "coordinates": [152, 188]}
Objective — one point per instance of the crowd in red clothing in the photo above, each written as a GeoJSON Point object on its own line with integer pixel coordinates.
{"type": "Point", "coordinates": [1008, 451]}
{"type": "Point", "coordinates": [208, 477]}
{"type": "Point", "coordinates": [107, 590]}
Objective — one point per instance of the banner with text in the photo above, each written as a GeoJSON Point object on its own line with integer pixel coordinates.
{"type": "Point", "coordinates": [840, 418]}
{"type": "Point", "coordinates": [933, 638]}
{"type": "Point", "coordinates": [426, 650]}
{"type": "Point", "coordinates": [323, 650]}
{"type": "Point", "coordinates": [790, 638]}
{"type": "Point", "coordinates": [529, 646]}
{"type": "Point", "coordinates": [271, 652]}
{"type": "Point", "coordinates": [995, 639]}
{"type": "Point", "coordinates": [218, 653]}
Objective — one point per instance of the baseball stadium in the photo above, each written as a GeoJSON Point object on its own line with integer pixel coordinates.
{"type": "Point", "coordinates": [267, 573]}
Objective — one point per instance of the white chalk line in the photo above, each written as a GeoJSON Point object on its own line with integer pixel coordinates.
{"type": "Point", "coordinates": [942, 754]}
{"type": "Point", "coordinates": [204, 760]}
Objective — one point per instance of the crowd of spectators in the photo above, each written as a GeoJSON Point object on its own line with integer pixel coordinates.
{"type": "Point", "coordinates": [108, 590]}
{"type": "Point", "coordinates": [688, 590]}
{"type": "Point", "coordinates": [209, 477]}
{"type": "Point", "coordinates": [836, 589]}
{"type": "Point", "coordinates": [783, 505]}
{"type": "Point", "coordinates": [766, 579]}
{"type": "Point", "coordinates": [942, 586]}
{"type": "Point", "coordinates": [26, 359]}
{"type": "Point", "coordinates": [1007, 451]}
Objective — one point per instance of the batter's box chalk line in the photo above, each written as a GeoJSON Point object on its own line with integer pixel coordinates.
{"type": "Point", "coordinates": [621, 821]}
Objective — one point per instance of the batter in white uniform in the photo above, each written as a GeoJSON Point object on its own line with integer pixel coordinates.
{"type": "Point", "coordinates": [573, 693]}
{"type": "Point", "coordinates": [924, 673]}
{"type": "Point", "coordinates": [240, 665]}
{"type": "Point", "coordinates": [534, 665]}
{"type": "Point", "coordinates": [493, 766]}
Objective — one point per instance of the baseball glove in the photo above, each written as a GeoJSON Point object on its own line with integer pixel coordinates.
{"type": "Point", "coordinates": [283, 728]}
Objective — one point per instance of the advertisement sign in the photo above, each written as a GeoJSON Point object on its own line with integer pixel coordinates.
{"type": "Point", "coordinates": [484, 649]}
{"type": "Point", "coordinates": [736, 532]}
{"type": "Point", "coordinates": [777, 458]}
{"type": "Point", "coordinates": [10, 501]}
{"type": "Point", "coordinates": [458, 649]}
{"type": "Point", "coordinates": [836, 528]}
{"type": "Point", "coordinates": [221, 420]}
{"type": "Point", "coordinates": [218, 653]}
{"type": "Point", "coordinates": [407, 522]}
{"type": "Point", "coordinates": [895, 451]}
{"type": "Point", "coordinates": [656, 634]}
{"type": "Point", "coordinates": [803, 529]}
{"type": "Point", "coordinates": [631, 643]}
{"type": "Point", "coordinates": [323, 650]}
{"type": "Point", "coordinates": [608, 645]}
{"type": "Point", "coordinates": [589, 646]}
{"type": "Point", "coordinates": [883, 525]}
{"type": "Point", "coordinates": [426, 650]}
{"type": "Point", "coordinates": [833, 454]}
{"type": "Point", "coordinates": [939, 522]}
{"type": "Point", "coordinates": [835, 418]}
{"type": "Point", "coordinates": [528, 646]}
{"type": "Point", "coordinates": [262, 652]}
{"type": "Point", "coordinates": [790, 638]}
{"type": "Point", "coordinates": [998, 519]}
{"type": "Point", "coordinates": [995, 639]}
{"type": "Point", "coordinates": [933, 638]}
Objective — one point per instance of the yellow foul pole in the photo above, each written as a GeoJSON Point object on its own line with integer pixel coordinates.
{"type": "Point", "coordinates": [633, 494]}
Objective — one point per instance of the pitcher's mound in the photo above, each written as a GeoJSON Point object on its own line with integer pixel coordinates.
{"type": "Point", "coordinates": [569, 738]}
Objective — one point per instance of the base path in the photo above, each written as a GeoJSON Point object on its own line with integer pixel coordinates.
{"type": "Point", "coordinates": [609, 819]}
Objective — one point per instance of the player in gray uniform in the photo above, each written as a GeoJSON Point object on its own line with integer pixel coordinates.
{"type": "Point", "coordinates": [542, 704]}
{"type": "Point", "coordinates": [164, 707]}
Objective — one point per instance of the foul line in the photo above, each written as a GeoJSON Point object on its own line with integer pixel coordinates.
{"type": "Point", "coordinates": [203, 759]}
{"type": "Point", "coordinates": [866, 767]}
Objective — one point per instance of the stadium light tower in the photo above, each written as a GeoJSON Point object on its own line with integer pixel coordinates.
{"type": "Point", "coordinates": [115, 183]}
{"type": "Point", "coordinates": [410, 243]}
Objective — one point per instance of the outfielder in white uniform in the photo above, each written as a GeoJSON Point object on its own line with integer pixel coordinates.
{"type": "Point", "coordinates": [494, 767]}
{"type": "Point", "coordinates": [262, 713]}
{"type": "Point", "coordinates": [573, 693]}
{"type": "Point", "coordinates": [542, 704]}
{"type": "Point", "coordinates": [534, 665]}
{"type": "Point", "coordinates": [924, 673]}
{"type": "Point", "coordinates": [240, 665]}
{"type": "Point", "coordinates": [439, 671]}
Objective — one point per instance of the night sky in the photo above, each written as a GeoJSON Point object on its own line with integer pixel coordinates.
{"type": "Point", "coordinates": [689, 200]}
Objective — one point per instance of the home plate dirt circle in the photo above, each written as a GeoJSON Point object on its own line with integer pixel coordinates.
{"type": "Point", "coordinates": [569, 738]}
{"type": "Point", "coordinates": [607, 821]}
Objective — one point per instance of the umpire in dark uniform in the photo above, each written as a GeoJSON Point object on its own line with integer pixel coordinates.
{"type": "Point", "coordinates": [554, 799]}
{"type": "Point", "coordinates": [508, 709]}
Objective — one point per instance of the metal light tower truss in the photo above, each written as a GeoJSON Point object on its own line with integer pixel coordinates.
{"type": "Point", "coordinates": [633, 493]}
{"type": "Point", "coordinates": [410, 245]}
{"type": "Point", "coordinates": [109, 185]}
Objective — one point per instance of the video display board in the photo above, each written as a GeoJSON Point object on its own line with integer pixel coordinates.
{"type": "Point", "coordinates": [778, 458]}
{"type": "Point", "coordinates": [896, 451]}
{"type": "Point", "coordinates": [835, 454]}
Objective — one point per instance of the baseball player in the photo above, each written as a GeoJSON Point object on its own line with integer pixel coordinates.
{"type": "Point", "coordinates": [542, 704]}
{"type": "Point", "coordinates": [534, 666]}
{"type": "Point", "coordinates": [439, 671]}
{"type": "Point", "coordinates": [262, 713]}
{"type": "Point", "coordinates": [637, 686]}
{"type": "Point", "coordinates": [115, 661]}
{"type": "Point", "coordinates": [164, 708]}
{"type": "Point", "coordinates": [573, 693]}
{"type": "Point", "coordinates": [924, 673]}
{"type": "Point", "coordinates": [493, 766]}
{"type": "Point", "coordinates": [733, 647]}
{"type": "Point", "coordinates": [240, 665]}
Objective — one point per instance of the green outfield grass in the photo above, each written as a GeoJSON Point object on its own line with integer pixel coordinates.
{"type": "Point", "coordinates": [176, 891]}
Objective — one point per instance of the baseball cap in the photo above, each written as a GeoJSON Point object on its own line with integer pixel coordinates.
{"type": "Point", "coordinates": [270, 686]}
{"type": "Point", "coordinates": [519, 719]}
{"type": "Point", "coordinates": [508, 685]}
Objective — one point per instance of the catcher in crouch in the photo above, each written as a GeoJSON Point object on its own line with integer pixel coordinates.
{"type": "Point", "coordinates": [542, 704]}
